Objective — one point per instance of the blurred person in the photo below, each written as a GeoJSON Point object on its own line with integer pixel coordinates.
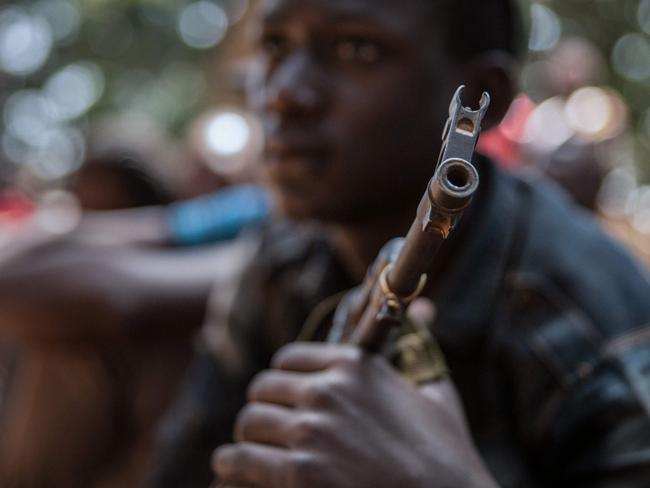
{"type": "Point", "coordinates": [103, 334]}
{"type": "Point", "coordinates": [569, 156]}
{"type": "Point", "coordinates": [101, 351]}
{"type": "Point", "coordinates": [89, 336]}
{"type": "Point", "coordinates": [118, 179]}
{"type": "Point", "coordinates": [188, 197]}
{"type": "Point", "coordinates": [542, 319]}
{"type": "Point", "coordinates": [203, 220]}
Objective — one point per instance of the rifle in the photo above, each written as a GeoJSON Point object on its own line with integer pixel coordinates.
{"type": "Point", "coordinates": [366, 316]}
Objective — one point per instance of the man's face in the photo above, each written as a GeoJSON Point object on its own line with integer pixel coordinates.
{"type": "Point", "coordinates": [354, 98]}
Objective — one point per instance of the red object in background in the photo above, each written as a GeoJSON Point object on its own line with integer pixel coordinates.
{"type": "Point", "coordinates": [14, 206]}
{"type": "Point", "coordinates": [502, 144]}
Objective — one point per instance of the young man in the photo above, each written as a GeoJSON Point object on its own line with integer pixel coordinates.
{"type": "Point", "coordinates": [543, 321]}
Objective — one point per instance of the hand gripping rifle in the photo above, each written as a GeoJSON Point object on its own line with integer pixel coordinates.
{"type": "Point", "coordinates": [398, 275]}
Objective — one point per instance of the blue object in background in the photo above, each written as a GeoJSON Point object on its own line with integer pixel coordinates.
{"type": "Point", "coordinates": [219, 216]}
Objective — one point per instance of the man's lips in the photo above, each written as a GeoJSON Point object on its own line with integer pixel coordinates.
{"type": "Point", "coordinates": [284, 148]}
{"type": "Point", "coordinates": [295, 164]}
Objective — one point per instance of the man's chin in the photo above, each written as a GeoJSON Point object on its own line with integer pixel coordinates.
{"type": "Point", "coordinates": [296, 208]}
{"type": "Point", "coordinates": [324, 206]}
{"type": "Point", "coordinates": [302, 207]}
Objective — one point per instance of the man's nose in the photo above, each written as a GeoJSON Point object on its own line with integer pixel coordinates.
{"type": "Point", "coordinates": [295, 90]}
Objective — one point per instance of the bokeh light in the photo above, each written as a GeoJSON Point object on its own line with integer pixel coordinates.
{"type": "Point", "coordinates": [28, 115]}
{"type": "Point", "coordinates": [639, 209]}
{"type": "Point", "coordinates": [644, 15]}
{"type": "Point", "coordinates": [615, 193]}
{"type": "Point", "coordinates": [235, 9]}
{"type": "Point", "coordinates": [631, 57]}
{"type": "Point", "coordinates": [545, 29]}
{"type": "Point", "coordinates": [227, 133]}
{"type": "Point", "coordinates": [60, 152]}
{"type": "Point", "coordinates": [25, 41]}
{"type": "Point", "coordinates": [228, 139]}
{"type": "Point", "coordinates": [74, 89]}
{"type": "Point", "coordinates": [70, 62]}
{"type": "Point", "coordinates": [62, 16]}
{"type": "Point", "coordinates": [596, 113]}
{"type": "Point", "coordinates": [547, 127]}
{"type": "Point", "coordinates": [202, 24]}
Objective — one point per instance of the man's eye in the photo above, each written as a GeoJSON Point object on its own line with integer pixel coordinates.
{"type": "Point", "coordinates": [274, 46]}
{"type": "Point", "coordinates": [358, 50]}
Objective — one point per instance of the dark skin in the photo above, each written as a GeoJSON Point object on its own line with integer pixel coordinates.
{"type": "Point", "coordinates": [347, 95]}
{"type": "Point", "coordinates": [58, 289]}
{"type": "Point", "coordinates": [332, 416]}
{"type": "Point", "coordinates": [356, 93]}
{"type": "Point", "coordinates": [103, 336]}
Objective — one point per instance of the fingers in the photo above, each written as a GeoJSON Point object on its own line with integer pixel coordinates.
{"type": "Point", "coordinates": [441, 391]}
{"type": "Point", "coordinates": [279, 387]}
{"type": "Point", "coordinates": [264, 423]}
{"type": "Point", "coordinates": [252, 465]}
{"type": "Point", "coordinates": [423, 312]}
{"type": "Point", "coordinates": [444, 394]}
{"type": "Point", "coordinates": [309, 358]}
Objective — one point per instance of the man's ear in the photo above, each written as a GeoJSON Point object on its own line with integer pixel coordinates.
{"type": "Point", "coordinates": [496, 73]}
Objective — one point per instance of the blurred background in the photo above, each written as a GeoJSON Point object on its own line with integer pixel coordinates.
{"type": "Point", "coordinates": [163, 81]}
{"type": "Point", "coordinates": [144, 95]}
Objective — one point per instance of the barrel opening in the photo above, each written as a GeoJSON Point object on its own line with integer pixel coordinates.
{"type": "Point", "coordinates": [458, 177]}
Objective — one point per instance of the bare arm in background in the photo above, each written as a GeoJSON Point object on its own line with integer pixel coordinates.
{"type": "Point", "coordinates": [104, 336]}
{"type": "Point", "coordinates": [55, 288]}
{"type": "Point", "coordinates": [137, 226]}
